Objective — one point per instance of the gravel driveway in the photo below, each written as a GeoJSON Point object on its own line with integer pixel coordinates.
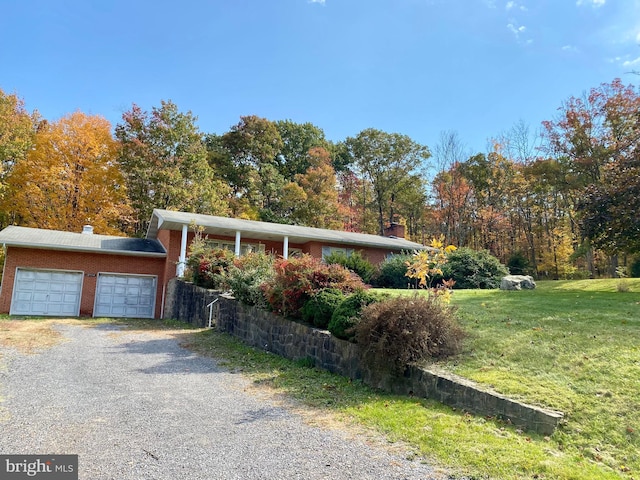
{"type": "Point", "coordinates": [135, 405]}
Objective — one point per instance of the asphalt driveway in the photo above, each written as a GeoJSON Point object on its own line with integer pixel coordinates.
{"type": "Point", "coordinates": [135, 405]}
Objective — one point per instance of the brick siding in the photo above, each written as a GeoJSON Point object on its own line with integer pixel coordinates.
{"type": "Point", "coordinates": [89, 263]}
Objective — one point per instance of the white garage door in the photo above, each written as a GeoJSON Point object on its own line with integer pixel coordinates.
{"type": "Point", "coordinates": [119, 295]}
{"type": "Point", "coordinates": [46, 292]}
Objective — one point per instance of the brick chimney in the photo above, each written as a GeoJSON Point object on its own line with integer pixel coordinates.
{"type": "Point", "coordinates": [394, 230]}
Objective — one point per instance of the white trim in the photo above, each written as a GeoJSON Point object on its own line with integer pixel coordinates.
{"type": "Point", "coordinates": [182, 261]}
{"type": "Point", "coordinates": [237, 249]}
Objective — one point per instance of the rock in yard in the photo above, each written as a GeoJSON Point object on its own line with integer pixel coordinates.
{"type": "Point", "coordinates": [517, 282]}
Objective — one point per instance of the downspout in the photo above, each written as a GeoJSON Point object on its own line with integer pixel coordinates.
{"type": "Point", "coordinates": [285, 248]}
{"type": "Point", "coordinates": [4, 265]}
{"type": "Point", "coordinates": [182, 261]}
{"type": "Point", "coordinates": [237, 250]}
{"type": "Point", "coordinates": [164, 289]}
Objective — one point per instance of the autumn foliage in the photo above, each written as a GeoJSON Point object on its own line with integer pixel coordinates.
{"type": "Point", "coordinates": [297, 279]}
{"type": "Point", "coordinates": [70, 178]}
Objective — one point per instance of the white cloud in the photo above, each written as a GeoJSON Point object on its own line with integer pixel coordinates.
{"type": "Point", "coordinates": [516, 30]}
{"type": "Point", "coordinates": [321, 2]}
{"type": "Point", "coordinates": [638, 37]}
{"type": "Point", "coordinates": [631, 63]}
{"type": "Point", "coordinates": [593, 3]}
{"type": "Point", "coordinates": [510, 5]}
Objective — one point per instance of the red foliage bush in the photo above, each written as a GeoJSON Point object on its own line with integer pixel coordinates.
{"type": "Point", "coordinates": [297, 279]}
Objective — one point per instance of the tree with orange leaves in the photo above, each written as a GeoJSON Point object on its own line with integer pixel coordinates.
{"type": "Point", "coordinates": [70, 178]}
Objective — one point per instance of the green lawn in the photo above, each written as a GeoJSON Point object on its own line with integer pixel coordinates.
{"type": "Point", "coordinates": [571, 346]}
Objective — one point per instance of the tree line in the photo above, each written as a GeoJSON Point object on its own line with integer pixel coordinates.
{"type": "Point", "coordinates": [560, 203]}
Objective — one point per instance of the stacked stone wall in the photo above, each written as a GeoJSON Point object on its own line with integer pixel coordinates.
{"type": "Point", "coordinates": [295, 341]}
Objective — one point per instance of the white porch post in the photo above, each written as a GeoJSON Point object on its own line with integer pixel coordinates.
{"type": "Point", "coordinates": [285, 248]}
{"type": "Point", "coordinates": [237, 251]}
{"type": "Point", "coordinates": [183, 253]}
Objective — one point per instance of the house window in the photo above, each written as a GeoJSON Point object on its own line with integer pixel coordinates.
{"type": "Point", "coordinates": [244, 247]}
{"type": "Point", "coordinates": [326, 251]}
{"type": "Point", "coordinates": [294, 253]}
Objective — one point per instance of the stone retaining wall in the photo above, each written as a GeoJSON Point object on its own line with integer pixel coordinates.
{"type": "Point", "coordinates": [262, 329]}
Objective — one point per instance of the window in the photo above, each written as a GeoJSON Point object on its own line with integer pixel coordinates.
{"type": "Point", "coordinates": [231, 246]}
{"type": "Point", "coordinates": [326, 251]}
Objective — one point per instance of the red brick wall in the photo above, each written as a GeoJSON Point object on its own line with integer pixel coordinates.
{"type": "Point", "coordinates": [89, 263]}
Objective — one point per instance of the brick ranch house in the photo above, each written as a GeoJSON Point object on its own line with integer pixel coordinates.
{"type": "Point", "coordinates": [54, 273]}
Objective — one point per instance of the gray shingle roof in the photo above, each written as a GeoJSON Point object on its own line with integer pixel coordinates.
{"type": "Point", "coordinates": [170, 220]}
{"type": "Point", "coordinates": [79, 242]}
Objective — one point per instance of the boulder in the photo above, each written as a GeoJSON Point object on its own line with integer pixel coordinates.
{"type": "Point", "coordinates": [517, 282]}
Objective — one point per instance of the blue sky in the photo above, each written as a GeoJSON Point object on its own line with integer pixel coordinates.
{"type": "Point", "coordinates": [416, 67]}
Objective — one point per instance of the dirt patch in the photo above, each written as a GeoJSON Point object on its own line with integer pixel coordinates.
{"type": "Point", "coordinates": [30, 336]}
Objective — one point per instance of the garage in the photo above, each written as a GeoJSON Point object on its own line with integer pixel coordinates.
{"type": "Point", "coordinates": [121, 295]}
{"type": "Point", "coordinates": [46, 292]}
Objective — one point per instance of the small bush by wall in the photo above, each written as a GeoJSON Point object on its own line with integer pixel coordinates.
{"type": "Point", "coordinates": [347, 314]}
{"type": "Point", "coordinates": [320, 307]}
{"type": "Point", "coordinates": [246, 276]}
{"type": "Point", "coordinates": [296, 280]}
{"type": "Point", "coordinates": [399, 331]}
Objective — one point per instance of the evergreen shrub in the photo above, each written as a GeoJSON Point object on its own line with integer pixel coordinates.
{"type": "Point", "coordinates": [320, 307]}
{"type": "Point", "coordinates": [474, 269]}
{"type": "Point", "coordinates": [354, 262]}
{"type": "Point", "coordinates": [347, 314]}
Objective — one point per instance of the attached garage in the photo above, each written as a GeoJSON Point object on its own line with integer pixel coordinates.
{"type": "Point", "coordinates": [119, 295]}
{"type": "Point", "coordinates": [46, 292]}
{"type": "Point", "coordinates": [66, 274]}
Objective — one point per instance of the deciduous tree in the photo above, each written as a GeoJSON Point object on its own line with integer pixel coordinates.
{"type": "Point", "coordinates": [387, 161]}
{"type": "Point", "coordinates": [70, 178]}
{"type": "Point", "coordinates": [164, 160]}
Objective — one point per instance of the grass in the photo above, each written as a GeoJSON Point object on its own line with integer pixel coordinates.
{"type": "Point", "coordinates": [571, 346]}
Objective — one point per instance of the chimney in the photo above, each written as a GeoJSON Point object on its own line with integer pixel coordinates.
{"type": "Point", "coordinates": [394, 230]}
{"type": "Point", "coordinates": [87, 230]}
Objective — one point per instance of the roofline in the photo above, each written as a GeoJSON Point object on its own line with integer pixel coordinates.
{"type": "Point", "coordinates": [64, 248]}
{"type": "Point", "coordinates": [374, 241]}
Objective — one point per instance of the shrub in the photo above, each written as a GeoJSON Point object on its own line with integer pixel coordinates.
{"type": "Point", "coordinates": [296, 280]}
{"type": "Point", "coordinates": [246, 276]}
{"type": "Point", "coordinates": [474, 269]}
{"type": "Point", "coordinates": [392, 272]}
{"type": "Point", "coordinates": [209, 268]}
{"type": "Point", "coordinates": [354, 262]}
{"type": "Point", "coordinates": [320, 307]}
{"type": "Point", "coordinates": [403, 330]}
{"type": "Point", "coordinates": [347, 314]}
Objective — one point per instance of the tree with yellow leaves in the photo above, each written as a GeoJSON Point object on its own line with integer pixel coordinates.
{"type": "Point", "coordinates": [70, 178]}
{"type": "Point", "coordinates": [427, 264]}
